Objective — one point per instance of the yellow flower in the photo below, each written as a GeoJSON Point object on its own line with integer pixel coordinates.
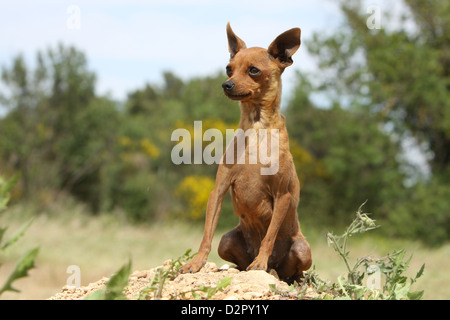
{"type": "Point", "coordinates": [124, 141]}
{"type": "Point", "coordinates": [195, 190]}
{"type": "Point", "coordinates": [149, 148]}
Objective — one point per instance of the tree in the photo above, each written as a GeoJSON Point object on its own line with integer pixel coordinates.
{"type": "Point", "coordinates": [400, 75]}
{"type": "Point", "coordinates": [152, 113]}
{"type": "Point", "coordinates": [353, 159]}
{"type": "Point", "coordinates": [57, 132]}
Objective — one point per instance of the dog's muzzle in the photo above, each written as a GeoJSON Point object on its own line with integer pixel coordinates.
{"type": "Point", "coordinates": [228, 86]}
{"type": "Point", "coordinates": [228, 89]}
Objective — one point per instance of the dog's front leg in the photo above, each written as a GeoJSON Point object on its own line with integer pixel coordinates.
{"type": "Point", "coordinates": [213, 209]}
{"type": "Point", "coordinates": [281, 206]}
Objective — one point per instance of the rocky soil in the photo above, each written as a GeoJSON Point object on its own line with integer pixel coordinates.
{"type": "Point", "coordinates": [245, 285]}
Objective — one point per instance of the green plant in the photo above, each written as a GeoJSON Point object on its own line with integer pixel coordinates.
{"type": "Point", "coordinates": [114, 287]}
{"type": "Point", "coordinates": [362, 223]}
{"type": "Point", "coordinates": [162, 274]}
{"type": "Point", "coordinates": [155, 288]}
{"type": "Point", "coordinates": [27, 261]}
{"type": "Point", "coordinates": [392, 266]}
{"type": "Point", "coordinates": [210, 291]}
{"type": "Point", "coordinates": [311, 286]}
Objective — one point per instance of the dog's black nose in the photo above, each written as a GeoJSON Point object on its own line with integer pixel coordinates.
{"type": "Point", "coordinates": [228, 85]}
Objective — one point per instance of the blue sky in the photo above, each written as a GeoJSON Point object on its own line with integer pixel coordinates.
{"type": "Point", "coordinates": [129, 43]}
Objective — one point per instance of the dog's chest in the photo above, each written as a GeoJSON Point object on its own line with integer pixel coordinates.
{"type": "Point", "coordinates": [251, 196]}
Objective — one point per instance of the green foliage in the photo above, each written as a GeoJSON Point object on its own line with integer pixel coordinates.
{"type": "Point", "coordinates": [429, 221]}
{"type": "Point", "coordinates": [352, 158]}
{"type": "Point", "coordinates": [53, 134]}
{"type": "Point", "coordinates": [393, 266]}
{"type": "Point", "coordinates": [395, 287]}
{"type": "Point", "coordinates": [114, 287]}
{"type": "Point", "coordinates": [154, 289]}
{"type": "Point", "coordinates": [5, 187]}
{"type": "Point", "coordinates": [20, 270]}
{"type": "Point", "coordinates": [363, 280]}
{"type": "Point", "coordinates": [27, 261]}
{"type": "Point", "coordinates": [389, 85]}
{"type": "Point", "coordinates": [361, 224]}
{"type": "Point", "coordinates": [209, 292]}
{"type": "Point", "coordinates": [364, 277]}
{"type": "Point", "coordinates": [68, 141]}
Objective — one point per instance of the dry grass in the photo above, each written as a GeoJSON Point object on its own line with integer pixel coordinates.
{"type": "Point", "coordinates": [101, 245]}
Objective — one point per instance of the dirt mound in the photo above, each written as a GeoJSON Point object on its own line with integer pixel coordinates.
{"type": "Point", "coordinates": [245, 285]}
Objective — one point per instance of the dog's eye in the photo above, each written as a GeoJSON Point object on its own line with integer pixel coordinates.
{"type": "Point", "coordinates": [229, 71]}
{"type": "Point", "coordinates": [254, 71]}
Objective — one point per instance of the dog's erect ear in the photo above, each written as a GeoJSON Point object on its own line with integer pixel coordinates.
{"type": "Point", "coordinates": [285, 45]}
{"type": "Point", "coordinates": [234, 42]}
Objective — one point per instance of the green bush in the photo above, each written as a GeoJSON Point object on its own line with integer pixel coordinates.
{"type": "Point", "coordinates": [429, 221]}
{"type": "Point", "coordinates": [27, 261]}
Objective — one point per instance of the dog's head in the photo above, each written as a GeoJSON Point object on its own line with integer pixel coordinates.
{"type": "Point", "coordinates": [254, 72]}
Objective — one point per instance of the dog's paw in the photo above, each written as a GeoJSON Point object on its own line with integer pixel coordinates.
{"type": "Point", "coordinates": [193, 266]}
{"type": "Point", "coordinates": [257, 265]}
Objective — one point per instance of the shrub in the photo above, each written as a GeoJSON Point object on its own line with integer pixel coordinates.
{"type": "Point", "coordinates": [424, 214]}
{"type": "Point", "coordinates": [195, 190]}
{"type": "Point", "coordinates": [27, 261]}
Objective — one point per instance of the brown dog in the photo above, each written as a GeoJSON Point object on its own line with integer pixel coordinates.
{"type": "Point", "coordinates": [268, 235]}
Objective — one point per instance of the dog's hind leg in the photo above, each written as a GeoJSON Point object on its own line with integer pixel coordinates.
{"type": "Point", "coordinates": [233, 248]}
{"type": "Point", "coordinates": [297, 260]}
